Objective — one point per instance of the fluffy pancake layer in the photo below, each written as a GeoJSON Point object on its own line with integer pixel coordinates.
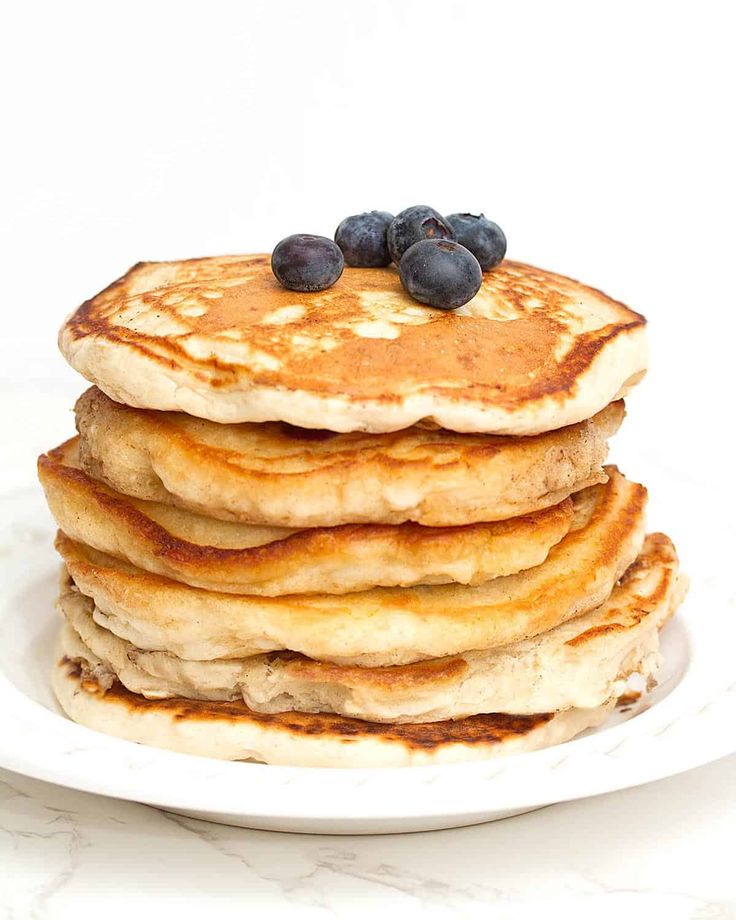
{"type": "Point", "coordinates": [383, 626]}
{"type": "Point", "coordinates": [283, 477]}
{"type": "Point", "coordinates": [219, 338]}
{"type": "Point", "coordinates": [231, 731]}
{"type": "Point", "coordinates": [580, 664]}
{"type": "Point", "coordinates": [241, 558]}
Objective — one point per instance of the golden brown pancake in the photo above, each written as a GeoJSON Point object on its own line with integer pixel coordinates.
{"type": "Point", "coordinates": [382, 626]}
{"type": "Point", "coordinates": [580, 664]}
{"type": "Point", "coordinates": [231, 731]}
{"type": "Point", "coordinates": [247, 559]}
{"type": "Point", "coordinates": [281, 477]}
{"type": "Point", "coordinates": [219, 338]}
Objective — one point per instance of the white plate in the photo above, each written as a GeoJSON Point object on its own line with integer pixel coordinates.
{"type": "Point", "coordinates": [689, 720]}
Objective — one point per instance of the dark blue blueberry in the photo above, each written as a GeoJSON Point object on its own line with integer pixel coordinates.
{"type": "Point", "coordinates": [417, 223]}
{"type": "Point", "coordinates": [481, 236]}
{"type": "Point", "coordinates": [362, 239]}
{"type": "Point", "coordinates": [304, 262]}
{"type": "Point", "coordinates": [440, 273]}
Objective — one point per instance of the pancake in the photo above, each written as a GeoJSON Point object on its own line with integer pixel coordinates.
{"type": "Point", "coordinates": [579, 664]}
{"type": "Point", "coordinates": [231, 731]}
{"type": "Point", "coordinates": [282, 477]}
{"type": "Point", "coordinates": [220, 339]}
{"type": "Point", "coordinates": [247, 559]}
{"type": "Point", "coordinates": [383, 626]}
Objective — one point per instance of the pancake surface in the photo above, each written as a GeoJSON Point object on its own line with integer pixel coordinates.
{"type": "Point", "coordinates": [220, 339]}
{"type": "Point", "coordinates": [580, 664]}
{"type": "Point", "coordinates": [382, 626]}
{"type": "Point", "coordinates": [284, 477]}
{"type": "Point", "coordinates": [230, 731]}
{"type": "Point", "coordinates": [247, 559]}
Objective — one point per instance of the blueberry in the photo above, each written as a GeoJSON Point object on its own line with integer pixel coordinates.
{"type": "Point", "coordinates": [304, 262]}
{"type": "Point", "coordinates": [440, 273]}
{"type": "Point", "coordinates": [481, 236]}
{"type": "Point", "coordinates": [362, 239]}
{"type": "Point", "coordinates": [414, 224]}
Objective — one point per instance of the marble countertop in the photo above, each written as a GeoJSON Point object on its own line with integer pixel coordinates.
{"type": "Point", "coordinates": [662, 850]}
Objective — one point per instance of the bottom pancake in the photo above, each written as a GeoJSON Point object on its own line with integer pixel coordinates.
{"type": "Point", "coordinates": [231, 731]}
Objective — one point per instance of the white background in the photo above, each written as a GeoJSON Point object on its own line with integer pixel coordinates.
{"type": "Point", "coordinates": [600, 137]}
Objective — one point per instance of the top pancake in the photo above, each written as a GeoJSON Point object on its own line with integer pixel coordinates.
{"type": "Point", "coordinates": [220, 339]}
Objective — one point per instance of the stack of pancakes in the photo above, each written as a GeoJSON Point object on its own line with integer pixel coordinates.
{"type": "Point", "coordinates": [344, 529]}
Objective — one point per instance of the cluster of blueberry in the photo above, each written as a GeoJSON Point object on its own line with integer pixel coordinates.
{"type": "Point", "coordinates": [441, 260]}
